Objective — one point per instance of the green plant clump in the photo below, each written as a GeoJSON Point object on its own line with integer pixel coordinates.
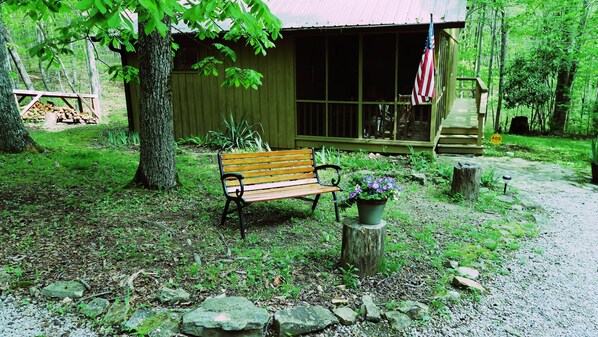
{"type": "Point", "coordinates": [594, 154]}
{"type": "Point", "coordinates": [237, 134]}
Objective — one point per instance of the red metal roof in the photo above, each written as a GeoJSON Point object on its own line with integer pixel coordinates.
{"type": "Point", "coordinates": [306, 14]}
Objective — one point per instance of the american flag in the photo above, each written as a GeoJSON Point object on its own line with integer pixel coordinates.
{"type": "Point", "coordinates": [423, 89]}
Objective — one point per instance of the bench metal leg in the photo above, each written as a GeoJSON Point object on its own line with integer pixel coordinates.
{"type": "Point", "coordinates": [316, 199]}
{"type": "Point", "coordinates": [338, 217]}
{"type": "Point", "coordinates": [225, 212]}
{"type": "Point", "coordinates": [241, 222]}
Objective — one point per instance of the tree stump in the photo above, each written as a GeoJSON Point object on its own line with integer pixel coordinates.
{"type": "Point", "coordinates": [363, 246]}
{"type": "Point", "coordinates": [466, 180]}
{"type": "Point", "coordinates": [50, 119]}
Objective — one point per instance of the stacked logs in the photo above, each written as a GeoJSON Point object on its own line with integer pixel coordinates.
{"type": "Point", "coordinates": [37, 113]}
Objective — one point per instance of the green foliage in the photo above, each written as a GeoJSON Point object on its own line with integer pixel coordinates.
{"type": "Point", "coordinates": [328, 155]}
{"type": "Point", "coordinates": [120, 137]}
{"type": "Point", "coordinates": [350, 276]}
{"type": "Point", "coordinates": [237, 134]}
{"type": "Point", "coordinates": [420, 161]}
{"type": "Point", "coordinates": [489, 179]}
{"type": "Point", "coordinates": [194, 140]}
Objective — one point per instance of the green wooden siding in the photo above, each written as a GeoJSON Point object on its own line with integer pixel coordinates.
{"type": "Point", "coordinates": [199, 102]}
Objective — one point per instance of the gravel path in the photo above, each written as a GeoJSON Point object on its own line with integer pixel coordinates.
{"type": "Point", "coordinates": [552, 285]}
{"type": "Point", "coordinates": [18, 318]}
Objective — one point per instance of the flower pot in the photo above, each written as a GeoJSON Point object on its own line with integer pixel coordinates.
{"type": "Point", "coordinates": [594, 173]}
{"type": "Point", "coordinates": [370, 211]}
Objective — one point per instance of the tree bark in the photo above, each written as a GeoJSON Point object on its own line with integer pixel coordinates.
{"type": "Point", "coordinates": [94, 78]}
{"type": "Point", "coordinates": [157, 166]}
{"type": "Point", "coordinates": [466, 180]}
{"type": "Point", "coordinates": [17, 59]}
{"type": "Point", "coordinates": [363, 246]}
{"type": "Point", "coordinates": [501, 71]}
{"type": "Point", "coordinates": [14, 137]}
{"type": "Point", "coordinates": [40, 64]}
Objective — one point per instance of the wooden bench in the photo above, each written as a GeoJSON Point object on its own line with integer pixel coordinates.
{"type": "Point", "coordinates": [264, 176]}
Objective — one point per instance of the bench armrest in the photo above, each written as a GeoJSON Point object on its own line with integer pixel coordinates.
{"type": "Point", "coordinates": [337, 168]}
{"type": "Point", "coordinates": [238, 192]}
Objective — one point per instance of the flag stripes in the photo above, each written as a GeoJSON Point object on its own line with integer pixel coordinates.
{"type": "Point", "coordinates": [423, 88]}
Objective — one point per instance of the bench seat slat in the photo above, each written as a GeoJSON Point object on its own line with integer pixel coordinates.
{"type": "Point", "coordinates": [272, 179]}
{"type": "Point", "coordinates": [274, 185]}
{"type": "Point", "coordinates": [265, 160]}
{"type": "Point", "coordinates": [265, 154]}
{"type": "Point", "coordinates": [243, 168]}
{"type": "Point", "coordinates": [287, 192]}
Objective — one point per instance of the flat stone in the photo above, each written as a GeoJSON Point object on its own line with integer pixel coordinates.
{"type": "Point", "coordinates": [226, 316]}
{"type": "Point", "coordinates": [451, 264]}
{"type": "Point", "coordinates": [372, 313]}
{"type": "Point", "coordinates": [301, 320]}
{"type": "Point", "coordinates": [4, 276]}
{"type": "Point", "coordinates": [415, 310]}
{"type": "Point", "coordinates": [419, 177]}
{"type": "Point", "coordinates": [63, 289]}
{"type": "Point", "coordinates": [137, 319]}
{"type": "Point", "coordinates": [398, 320]}
{"type": "Point", "coordinates": [463, 282]}
{"type": "Point", "coordinates": [95, 307]}
{"type": "Point", "coordinates": [168, 328]}
{"type": "Point", "coordinates": [345, 315]}
{"type": "Point", "coordinates": [470, 273]}
{"type": "Point", "coordinates": [452, 296]}
{"type": "Point", "coordinates": [117, 314]}
{"type": "Point", "coordinates": [167, 295]}
{"type": "Point", "coordinates": [506, 199]}
{"type": "Point", "coordinates": [516, 207]}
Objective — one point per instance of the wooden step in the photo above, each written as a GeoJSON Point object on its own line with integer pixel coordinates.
{"type": "Point", "coordinates": [460, 149]}
{"type": "Point", "coordinates": [453, 130]}
{"type": "Point", "coordinates": [458, 139]}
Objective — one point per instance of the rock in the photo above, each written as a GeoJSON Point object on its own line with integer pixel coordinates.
{"type": "Point", "coordinates": [398, 320]}
{"type": "Point", "coordinates": [518, 208]}
{"type": "Point", "coordinates": [372, 313]}
{"type": "Point", "coordinates": [470, 273]}
{"type": "Point", "coordinates": [137, 319]}
{"type": "Point", "coordinates": [510, 154]}
{"type": "Point", "coordinates": [34, 292]}
{"type": "Point", "coordinates": [506, 199]}
{"type": "Point", "coordinates": [301, 320]}
{"type": "Point", "coordinates": [345, 315]}
{"type": "Point", "coordinates": [167, 295]}
{"type": "Point", "coordinates": [451, 264]}
{"type": "Point", "coordinates": [463, 282]}
{"type": "Point", "coordinates": [117, 314]}
{"type": "Point", "coordinates": [62, 289]}
{"type": "Point", "coordinates": [95, 307]}
{"type": "Point", "coordinates": [226, 316]}
{"type": "Point", "coordinates": [168, 328]}
{"type": "Point", "coordinates": [452, 296]}
{"type": "Point", "coordinates": [4, 276]}
{"type": "Point", "coordinates": [418, 177]}
{"type": "Point", "coordinates": [415, 310]}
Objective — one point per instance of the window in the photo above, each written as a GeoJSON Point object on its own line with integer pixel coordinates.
{"type": "Point", "coordinates": [186, 56]}
{"type": "Point", "coordinates": [379, 67]}
{"type": "Point", "coordinates": [343, 68]}
{"type": "Point", "coordinates": [311, 68]}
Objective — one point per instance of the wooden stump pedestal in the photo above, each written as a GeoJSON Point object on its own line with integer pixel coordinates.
{"type": "Point", "coordinates": [466, 180]}
{"type": "Point", "coordinates": [363, 246]}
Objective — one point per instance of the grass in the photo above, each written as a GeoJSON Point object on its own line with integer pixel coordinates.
{"type": "Point", "coordinates": [66, 215]}
{"type": "Point", "coordinates": [567, 152]}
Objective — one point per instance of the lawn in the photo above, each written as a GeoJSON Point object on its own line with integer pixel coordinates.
{"type": "Point", "coordinates": [66, 215]}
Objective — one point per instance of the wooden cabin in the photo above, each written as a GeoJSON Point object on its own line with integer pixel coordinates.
{"type": "Point", "coordinates": [341, 76]}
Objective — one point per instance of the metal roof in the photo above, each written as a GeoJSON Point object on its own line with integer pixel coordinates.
{"type": "Point", "coordinates": [326, 14]}
{"type": "Point", "coordinates": [306, 14]}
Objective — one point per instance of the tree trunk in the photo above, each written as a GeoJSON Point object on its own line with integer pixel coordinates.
{"type": "Point", "coordinates": [466, 180]}
{"type": "Point", "coordinates": [157, 166]}
{"type": "Point", "coordinates": [566, 74]}
{"type": "Point", "coordinates": [491, 64]}
{"type": "Point", "coordinates": [94, 78]}
{"type": "Point", "coordinates": [40, 64]}
{"type": "Point", "coordinates": [363, 246]}
{"type": "Point", "coordinates": [479, 38]}
{"type": "Point", "coordinates": [17, 59]}
{"type": "Point", "coordinates": [13, 136]}
{"type": "Point", "coordinates": [501, 72]}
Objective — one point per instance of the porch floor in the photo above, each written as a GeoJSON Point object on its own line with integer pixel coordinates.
{"type": "Point", "coordinates": [463, 114]}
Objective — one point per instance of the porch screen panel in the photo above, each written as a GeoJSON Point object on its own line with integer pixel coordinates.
{"type": "Point", "coordinates": [342, 120]}
{"type": "Point", "coordinates": [311, 68]}
{"type": "Point", "coordinates": [378, 121]}
{"type": "Point", "coordinates": [343, 67]}
{"type": "Point", "coordinates": [409, 60]}
{"type": "Point", "coordinates": [379, 52]}
{"type": "Point", "coordinates": [311, 119]}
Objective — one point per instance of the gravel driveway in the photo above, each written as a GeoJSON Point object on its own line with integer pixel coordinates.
{"type": "Point", "coordinates": [552, 285]}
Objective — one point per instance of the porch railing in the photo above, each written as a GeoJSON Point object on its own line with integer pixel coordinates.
{"type": "Point", "coordinates": [475, 88]}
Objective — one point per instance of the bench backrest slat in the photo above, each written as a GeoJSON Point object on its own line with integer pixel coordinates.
{"type": "Point", "coordinates": [263, 168]}
{"type": "Point", "coordinates": [268, 186]}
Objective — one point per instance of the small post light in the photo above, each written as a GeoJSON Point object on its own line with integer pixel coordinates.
{"type": "Point", "coordinates": [506, 179]}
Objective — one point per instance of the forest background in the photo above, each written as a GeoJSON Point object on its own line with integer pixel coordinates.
{"type": "Point", "coordinates": [538, 58]}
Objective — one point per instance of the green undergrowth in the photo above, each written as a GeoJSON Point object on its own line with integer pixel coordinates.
{"type": "Point", "coordinates": [72, 196]}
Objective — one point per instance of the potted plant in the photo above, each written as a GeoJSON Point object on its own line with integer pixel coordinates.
{"type": "Point", "coordinates": [370, 194]}
{"type": "Point", "coordinates": [594, 160]}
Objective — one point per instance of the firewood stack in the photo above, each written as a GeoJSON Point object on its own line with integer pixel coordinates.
{"type": "Point", "coordinates": [37, 113]}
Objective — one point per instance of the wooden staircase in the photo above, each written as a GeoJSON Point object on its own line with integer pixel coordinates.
{"type": "Point", "coordinates": [462, 131]}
